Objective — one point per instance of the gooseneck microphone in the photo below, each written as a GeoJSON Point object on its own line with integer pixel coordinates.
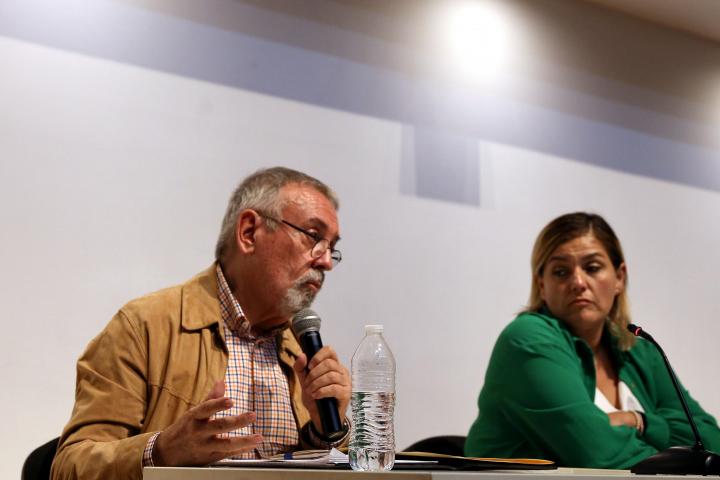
{"type": "Point", "coordinates": [680, 460]}
{"type": "Point", "coordinates": [306, 327]}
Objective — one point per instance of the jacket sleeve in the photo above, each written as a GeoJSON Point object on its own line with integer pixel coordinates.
{"type": "Point", "coordinates": [667, 424]}
{"type": "Point", "coordinates": [102, 438]}
{"type": "Point", "coordinates": [539, 379]}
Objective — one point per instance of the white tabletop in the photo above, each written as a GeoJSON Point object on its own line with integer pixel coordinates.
{"type": "Point", "coordinates": [225, 473]}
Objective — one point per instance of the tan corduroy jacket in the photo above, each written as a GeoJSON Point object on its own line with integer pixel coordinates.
{"type": "Point", "coordinates": [159, 356]}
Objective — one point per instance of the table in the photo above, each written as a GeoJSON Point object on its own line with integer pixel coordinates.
{"type": "Point", "coordinates": [225, 473]}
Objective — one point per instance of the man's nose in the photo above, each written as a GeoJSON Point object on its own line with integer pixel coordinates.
{"type": "Point", "coordinates": [324, 261]}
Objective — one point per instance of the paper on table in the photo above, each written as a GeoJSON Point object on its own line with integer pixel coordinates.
{"type": "Point", "coordinates": [480, 463]}
{"type": "Point", "coordinates": [336, 456]}
{"type": "Point", "coordinates": [307, 457]}
{"type": "Point", "coordinates": [302, 457]}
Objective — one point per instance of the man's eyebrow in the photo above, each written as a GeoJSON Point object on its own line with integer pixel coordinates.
{"type": "Point", "coordinates": [317, 222]}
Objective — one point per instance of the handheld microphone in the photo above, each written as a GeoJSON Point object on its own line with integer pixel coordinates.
{"type": "Point", "coordinates": [306, 327]}
{"type": "Point", "coordinates": [681, 460]}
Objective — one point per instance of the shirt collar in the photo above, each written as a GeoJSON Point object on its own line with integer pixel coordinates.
{"type": "Point", "coordinates": [607, 337]}
{"type": "Point", "coordinates": [232, 313]}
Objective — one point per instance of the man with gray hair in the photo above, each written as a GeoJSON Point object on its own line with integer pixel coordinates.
{"type": "Point", "coordinates": [208, 370]}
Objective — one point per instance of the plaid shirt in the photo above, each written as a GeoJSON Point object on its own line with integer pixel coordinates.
{"type": "Point", "coordinates": [255, 381]}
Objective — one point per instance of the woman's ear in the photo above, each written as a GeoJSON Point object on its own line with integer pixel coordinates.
{"type": "Point", "coordinates": [540, 285]}
{"type": "Point", "coordinates": [620, 276]}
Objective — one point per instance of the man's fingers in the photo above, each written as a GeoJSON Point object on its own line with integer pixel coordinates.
{"type": "Point", "coordinates": [327, 391]}
{"type": "Point", "coordinates": [331, 379]}
{"type": "Point", "coordinates": [300, 363]}
{"type": "Point", "coordinates": [325, 368]}
{"type": "Point", "coordinates": [325, 353]}
{"type": "Point", "coordinates": [228, 424]}
{"type": "Point", "coordinates": [229, 446]}
{"type": "Point", "coordinates": [299, 367]}
{"type": "Point", "coordinates": [218, 390]}
{"type": "Point", "coordinates": [208, 408]}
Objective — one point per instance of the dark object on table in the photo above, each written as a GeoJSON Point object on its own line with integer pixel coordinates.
{"type": "Point", "coordinates": [443, 444]}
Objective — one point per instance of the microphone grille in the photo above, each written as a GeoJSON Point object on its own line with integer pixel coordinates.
{"type": "Point", "coordinates": [634, 329]}
{"type": "Point", "coordinates": [306, 320]}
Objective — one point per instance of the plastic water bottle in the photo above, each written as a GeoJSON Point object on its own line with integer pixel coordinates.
{"type": "Point", "coordinates": [372, 440]}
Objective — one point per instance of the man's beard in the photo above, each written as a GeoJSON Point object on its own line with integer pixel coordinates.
{"type": "Point", "coordinates": [300, 295]}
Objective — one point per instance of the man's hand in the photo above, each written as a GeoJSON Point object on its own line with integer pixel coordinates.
{"type": "Point", "coordinates": [325, 377]}
{"type": "Point", "coordinates": [194, 438]}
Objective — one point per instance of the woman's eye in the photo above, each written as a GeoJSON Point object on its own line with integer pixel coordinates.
{"type": "Point", "coordinates": [593, 268]}
{"type": "Point", "coordinates": [560, 272]}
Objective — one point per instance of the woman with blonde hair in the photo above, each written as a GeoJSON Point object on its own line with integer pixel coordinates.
{"type": "Point", "coordinates": [566, 380]}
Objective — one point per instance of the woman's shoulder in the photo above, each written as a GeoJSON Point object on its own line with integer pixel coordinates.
{"type": "Point", "coordinates": [644, 352]}
{"type": "Point", "coordinates": [533, 328]}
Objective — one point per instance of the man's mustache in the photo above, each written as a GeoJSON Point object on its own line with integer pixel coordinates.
{"type": "Point", "coordinates": [314, 276]}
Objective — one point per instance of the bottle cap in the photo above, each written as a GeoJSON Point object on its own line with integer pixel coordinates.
{"type": "Point", "coordinates": [373, 329]}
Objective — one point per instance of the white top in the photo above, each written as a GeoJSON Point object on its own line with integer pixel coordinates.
{"type": "Point", "coordinates": [627, 400]}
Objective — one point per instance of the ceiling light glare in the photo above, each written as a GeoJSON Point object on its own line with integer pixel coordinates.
{"type": "Point", "coordinates": [478, 35]}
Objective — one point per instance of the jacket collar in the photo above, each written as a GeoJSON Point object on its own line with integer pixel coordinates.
{"type": "Point", "coordinates": [608, 338]}
{"type": "Point", "coordinates": [288, 344]}
{"type": "Point", "coordinates": [201, 309]}
{"type": "Point", "coordinates": [200, 304]}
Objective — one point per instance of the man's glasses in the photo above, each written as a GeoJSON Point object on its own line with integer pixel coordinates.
{"type": "Point", "coordinates": [320, 246]}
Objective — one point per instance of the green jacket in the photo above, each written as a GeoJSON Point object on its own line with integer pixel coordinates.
{"type": "Point", "coordinates": [537, 401]}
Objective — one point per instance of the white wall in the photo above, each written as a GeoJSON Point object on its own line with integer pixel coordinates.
{"type": "Point", "coordinates": [114, 178]}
